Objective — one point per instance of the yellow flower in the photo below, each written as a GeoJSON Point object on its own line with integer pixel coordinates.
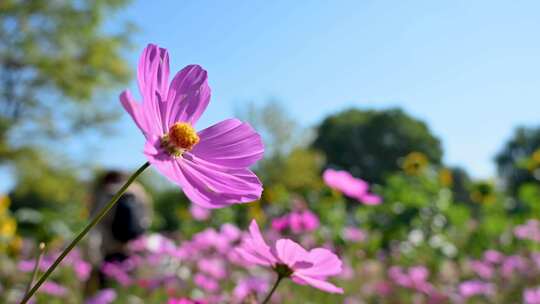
{"type": "Point", "coordinates": [15, 245]}
{"type": "Point", "coordinates": [483, 192]}
{"type": "Point", "coordinates": [533, 162]}
{"type": "Point", "coordinates": [536, 156]}
{"type": "Point", "coordinates": [4, 204]}
{"type": "Point", "coordinates": [8, 226]}
{"type": "Point", "coordinates": [445, 177]}
{"type": "Point", "coordinates": [415, 163]}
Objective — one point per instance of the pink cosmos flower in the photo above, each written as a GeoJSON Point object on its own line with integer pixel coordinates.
{"type": "Point", "coordinates": [353, 234]}
{"type": "Point", "coordinates": [289, 259]}
{"type": "Point", "coordinates": [303, 221]}
{"type": "Point", "coordinates": [371, 199]}
{"type": "Point", "coordinates": [248, 286]}
{"type": "Point", "coordinates": [469, 289]}
{"type": "Point", "coordinates": [205, 282]}
{"type": "Point", "coordinates": [482, 269]}
{"type": "Point", "coordinates": [53, 289]}
{"type": "Point", "coordinates": [513, 264]}
{"type": "Point", "coordinates": [104, 296]}
{"type": "Point", "coordinates": [183, 301]}
{"type": "Point", "coordinates": [352, 187]}
{"type": "Point", "coordinates": [297, 221]}
{"type": "Point", "coordinates": [279, 224]}
{"type": "Point", "coordinates": [199, 213]}
{"type": "Point", "coordinates": [211, 166]}
{"type": "Point", "coordinates": [214, 267]}
{"type": "Point", "coordinates": [493, 256]}
{"type": "Point", "coordinates": [116, 272]}
{"type": "Point", "coordinates": [230, 232]}
{"type": "Point", "coordinates": [528, 231]}
{"type": "Point", "coordinates": [531, 296]}
{"type": "Point", "coordinates": [415, 278]}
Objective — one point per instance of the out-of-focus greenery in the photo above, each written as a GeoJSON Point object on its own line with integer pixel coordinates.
{"type": "Point", "coordinates": [370, 143]}
{"type": "Point", "coordinates": [54, 57]}
{"type": "Point", "coordinates": [518, 162]}
{"type": "Point", "coordinates": [57, 61]}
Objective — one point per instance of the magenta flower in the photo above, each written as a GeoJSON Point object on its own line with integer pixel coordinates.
{"type": "Point", "coordinates": [531, 296]}
{"type": "Point", "coordinates": [351, 186]}
{"type": "Point", "coordinates": [353, 234]}
{"type": "Point", "coordinates": [205, 282]}
{"type": "Point", "coordinates": [415, 278]}
{"type": "Point", "coordinates": [199, 213]}
{"type": "Point", "coordinates": [493, 256]}
{"type": "Point", "coordinates": [482, 269]}
{"type": "Point", "coordinates": [289, 259]}
{"type": "Point", "coordinates": [528, 231]}
{"type": "Point", "coordinates": [116, 272]}
{"type": "Point", "coordinates": [469, 289]}
{"type": "Point", "coordinates": [53, 289]}
{"type": "Point", "coordinates": [296, 221]}
{"type": "Point", "coordinates": [183, 301]}
{"type": "Point", "coordinates": [279, 224]}
{"type": "Point", "coordinates": [104, 296]}
{"type": "Point", "coordinates": [214, 267]}
{"type": "Point", "coordinates": [248, 286]}
{"type": "Point", "coordinates": [211, 166]}
{"type": "Point", "coordinates": [303, 221]}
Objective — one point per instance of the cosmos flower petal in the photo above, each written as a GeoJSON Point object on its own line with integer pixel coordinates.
{"type": "Point", "coordinates": [170, 168]}
{"type": "Point", "coordinates": [320, 284]}
{"type": "Point", "coordinates": [325, 263]}
{"type": "Point", "coordinates": [230, 143]}
{"type": "Point", "coordinates": [289, 252]}
{"type": "Point", "coordinates": [188, 96]}
{"type": "Point", "coordinates": [370, 199]}
{"type": "Point", "coordinates": [252, 258]}
{"type": "Point", "coordinates": [153, 74]}
{"type": "Point", "coordinates": [213, 186]}
{"type": "Point", "coordinates": [135, 111]}
{"type": "Point", "coordinates": [259, 242]}
{"type": "Point", "coordinates": [153, 71]}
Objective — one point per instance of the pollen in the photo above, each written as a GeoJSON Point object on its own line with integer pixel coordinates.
{"type": "Point", "coordinates": [181, 137]}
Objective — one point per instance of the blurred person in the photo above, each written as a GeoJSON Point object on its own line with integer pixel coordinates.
{"type": "Point", "coordinates": [127, 220]}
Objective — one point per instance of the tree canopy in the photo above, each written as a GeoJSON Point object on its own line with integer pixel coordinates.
{"type": "Point", "coordinates": [368, 143]}
{"type": "Point", "coordinates": [516, 163]}
{"type": "Point", "coordinates": [55, 57]}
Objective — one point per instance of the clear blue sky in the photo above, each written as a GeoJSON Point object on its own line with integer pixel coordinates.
{"type": "Point", "coordinates": [471, 69]}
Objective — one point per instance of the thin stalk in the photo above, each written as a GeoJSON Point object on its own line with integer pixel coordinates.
{"type": "Point", "coordinates": [41, 249]}
{"type": "Point", "coordinates": [79, 237]}
{"type": "Point", "coordinates": [276, 284]}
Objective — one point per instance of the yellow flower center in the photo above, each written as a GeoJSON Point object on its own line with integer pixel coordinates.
{"type": "Point", "coordinates": [181, 137]}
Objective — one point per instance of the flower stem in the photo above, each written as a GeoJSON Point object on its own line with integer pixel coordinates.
{"type": "Point", "coordinates": [41, 249]}
{"type": "Point", "coordinates": [276, 284]}
{"type": "Point", "coordinates": [79, 237]}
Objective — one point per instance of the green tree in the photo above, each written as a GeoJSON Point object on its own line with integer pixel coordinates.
{"type": "Point", "coordinates": [57, 62]}
{"type": "Point", "coordinates": [54, 58]}
{"type": "Point", "coordinates": [370, 143]}
{"type": "Point", "coordinates": [512, 161]}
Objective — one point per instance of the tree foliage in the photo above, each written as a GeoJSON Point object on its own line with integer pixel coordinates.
{"type": "Point", "coordinates": [57, 58]}
{"type": "Point", "coordinates": [54, 58]}
{"type": "Point", "coordinates": [512, 161]}
{"type": "Point", "coordinates": [369, 143]}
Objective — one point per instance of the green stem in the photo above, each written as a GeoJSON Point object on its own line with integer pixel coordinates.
{"type": "Point", "coordinates": [41, 249]}
{"type": "Point", "coordinates": [276, 284]}
{"type": "Point", "coordinates": [90, 225]}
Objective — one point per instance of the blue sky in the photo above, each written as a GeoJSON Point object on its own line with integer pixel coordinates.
{"type": "Point", "coordinates": [468, 68]}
